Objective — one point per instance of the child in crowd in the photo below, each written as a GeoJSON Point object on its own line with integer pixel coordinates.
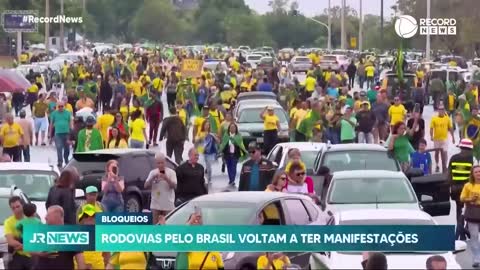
{"type": "Point", "coordinates": [31, 217]}
{"type": "Point", "coordinates": [422, 159]}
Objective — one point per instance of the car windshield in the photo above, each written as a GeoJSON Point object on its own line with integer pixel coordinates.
{"type": "Point", "coordinates": [266, 60]}
{"type": "Point", "coordinates": [254, 57]}
{"type": "Point", "coordinates": [5, 210]}
{"type": "Point", "coordinates": [329, 58]}
{"type": "Point", "coordinates": [302, 60]}
{"type": "Point", "coordinates": [253, 115]}
{"type": "Point", "coordinates": [215, 213]}
{"type": "Point", "coordinates": [371, 191]}
{"type": "Point", "coordinates": [308, 157]}
{"type": "Point", "coordinates": [338, 161]}
{"type": "Point", "coordinates": [35, 184]}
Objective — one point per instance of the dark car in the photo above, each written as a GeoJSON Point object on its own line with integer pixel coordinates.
{"type": "Point", "coordinates": [133, 164]}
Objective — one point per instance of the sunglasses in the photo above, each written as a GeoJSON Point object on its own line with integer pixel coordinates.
{"type": "Point", "coordinates": [283, 178]}
{"type": "Point", "coordinates": [301, 174]}
{"type": "Point", "coordinates": [252, 152]}
{"type": "Point", "coordinates": [60, 106]}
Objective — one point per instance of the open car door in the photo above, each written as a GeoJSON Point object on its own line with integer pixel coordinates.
{"type": "Point", "coordinates": [433, 192]}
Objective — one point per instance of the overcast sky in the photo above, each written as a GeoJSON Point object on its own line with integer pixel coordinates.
{"type": "Point", "coordinates": [314, 7]}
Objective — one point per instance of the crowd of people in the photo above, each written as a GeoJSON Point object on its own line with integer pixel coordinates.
{"type": "Point", "coordinates": [116, 102]}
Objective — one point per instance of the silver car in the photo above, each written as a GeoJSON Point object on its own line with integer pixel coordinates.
{"type": "Point", "coordinates": [300, 64]}
{"type": "Point", "coordinates": [243, 208]}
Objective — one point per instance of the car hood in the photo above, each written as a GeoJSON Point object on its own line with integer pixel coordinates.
{"type": "Point", "coordinates": [256, 127]}
{"type": "Point", "coordinates": [394, 261]}
{"type": "Point", "coordinates": [343, 207]}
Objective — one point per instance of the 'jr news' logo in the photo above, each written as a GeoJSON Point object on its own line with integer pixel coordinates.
{"type": "Point", "coordinates": [61, 238]}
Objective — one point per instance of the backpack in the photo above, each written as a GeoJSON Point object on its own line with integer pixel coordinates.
{"type": "Point", "coordinates": [210, 146]}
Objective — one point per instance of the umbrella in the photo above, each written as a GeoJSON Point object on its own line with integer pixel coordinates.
{"type": "Point", "coordinates": [15, 77]}
{"type": "Point", "coordinates": [8, 86]}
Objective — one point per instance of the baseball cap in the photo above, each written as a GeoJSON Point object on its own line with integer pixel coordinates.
{"type": "Point", "coordinates": [252, 146]}
{"type": "Point", "coordinates": [466, 143]}
{"type": "Point", "coordinates": [91, 189]}
{"type": "Point", "coordinates": [90, 120]}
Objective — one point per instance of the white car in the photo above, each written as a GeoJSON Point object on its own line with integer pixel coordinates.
{"type": "Point", "coordinates": [253, 59]}
{"type": "Point", "coordinates": [334, 61]}
{"type": "Point", "coordinates": [401, 260]}
{"type": "Point", "coordinates": [309, 151]}
{"type": "Point", "coordinates": [370, 189]}
{"type": "Point", "coordinates": [34, 179]}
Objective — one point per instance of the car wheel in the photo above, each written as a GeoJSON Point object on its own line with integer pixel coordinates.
{"type": "Point", "coordinates": [247, 267]}
{"type": "Point", "coordinates": [133, 203]}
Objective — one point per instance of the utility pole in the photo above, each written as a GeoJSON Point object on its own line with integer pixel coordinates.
{"type": "Point", "coordinates": [427, 45]}
{"type": "Point", "coordinates": [360, 29]}
{"type": "Point", "coordinates": [62, 34]}
{"type": "Point", "coordinates": [342, 16]}
{"type": "Point", "coordinates": [381, 24]}
{"type": "Point", "coordinates": [84, 12]}
{"type": "Point", "coordinates": [329, 45]}
{"type": "Point", "coordinates": [47, 27]}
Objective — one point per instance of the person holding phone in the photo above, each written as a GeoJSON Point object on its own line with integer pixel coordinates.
{"type": "Point", "coordinates": [112, 188]}
{"type": "Point", "coordinates": [163, 182]}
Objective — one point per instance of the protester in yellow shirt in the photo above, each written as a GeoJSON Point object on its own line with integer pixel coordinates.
{"type": "Point", "coordinates": [271, 127]}
{"type": "Point", "coordinates": [397, 112]}
{"type": "Point", "coordinates": [104, 122]}
{"type": "Point", "coordinates": [138, 135]}
{"type": "Point", "coordinates": [182, 113]}
{"type": "Point", "coordinates": [11, 136]}
{"type": "Point", "coordinates": [440, 126]}
{"type": "Point", "coordinates": [471, 190]}
{"type": "Point", "coordinates": [12, 234]}
{"type": "Point", "coordinates": [198, 122]}
{"type": "Point", "coordinates": [310, 84]}
{"type": "Point", "coordinates": [128, 260]}
{"type": "Point", "coordinates": [271, 261]}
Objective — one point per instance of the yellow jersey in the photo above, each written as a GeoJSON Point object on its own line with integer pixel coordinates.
{"type": "Point", "coordinates": [129, 260]}
{"type": "Point", "coordinates": [397, 114]}
{"type": "Point", "coordinates": [264, 263]}
{"type": "Point", "coordinates": [10, 227]}
{"type": "Point", "coordinates": [11, 135]}
{"type": "Point", "coordinates": [469, 191]}
{"type": "Point", "coordinates": [270, 122]}
{"type": "Point", "coordinates": [440, 126]}
{"type": "Point", "coordinates": [310, 84]}
{"type": "Point", "coordinates": [104, 122]}
{"type": "Point", "coordinates": [137, 128]}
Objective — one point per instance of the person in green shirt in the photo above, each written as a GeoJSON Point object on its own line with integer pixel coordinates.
{"type": "Point", "coordinates": [347, 126]}
{"type": "Point", "coordinates": [372, 94]}
{"type": "Point", "coordinates": [89, 138]}
{"type": "Point", "coordinates": [30, 218]}
{"type": "Point", "coordinates": [399, 143]}
{"type": "Point", "coordinates": [61, 122]}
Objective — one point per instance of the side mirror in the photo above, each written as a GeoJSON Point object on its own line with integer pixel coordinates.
{"type": "Point", "coordinates": [460, 246]}
{"type": "Point", "coordinates": [79, 193]}
{"type": "Point", "coordinates": [323, 170]}
{"type": "Point", "coordinates": [426, 198]}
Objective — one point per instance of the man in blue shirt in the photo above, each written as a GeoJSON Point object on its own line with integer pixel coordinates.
{"type": "Point", "coordinates": [421, 159]}
{"type": "Point", "coordinates": [265, 86]}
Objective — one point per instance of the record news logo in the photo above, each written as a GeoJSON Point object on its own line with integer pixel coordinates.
{"type": "Point", "coordinates": [61, 238]}
{"type": "Point", "coordinates": [407, 26]}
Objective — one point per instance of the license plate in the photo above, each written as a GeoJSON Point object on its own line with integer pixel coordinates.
{"type": "Point", "coordinates": [259, 140]}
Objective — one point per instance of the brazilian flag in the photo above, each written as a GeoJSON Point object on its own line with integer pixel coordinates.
{"type": "Point", "coordinates": [471, 128]}
{"type": "Point", "coordinates": [308, 123]}
{"type": "Point", "coordinates": [400, 60]}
